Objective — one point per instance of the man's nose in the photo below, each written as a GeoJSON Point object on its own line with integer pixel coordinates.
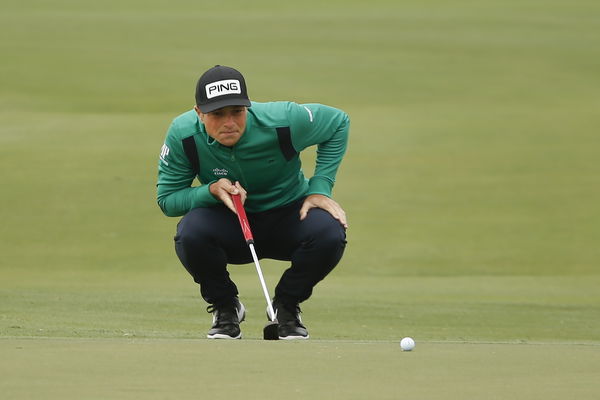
{"type": "Point", "coordinates": [229, 119]}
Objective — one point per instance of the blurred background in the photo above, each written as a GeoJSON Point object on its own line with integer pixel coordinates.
{"type": "Point", "coordinates": [471, 181]}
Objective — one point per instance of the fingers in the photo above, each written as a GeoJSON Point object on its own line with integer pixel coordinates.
{"type": "Point", "coordinates": [338, 213]}
{"type": "Point", "coordinates": [327, 204]}
{"type": "Point", "coordinates": [241, 191]}
{"type": "Point", "coordinates": [223, 189]}
{"type": "Point", "coordinates": [304, 210]}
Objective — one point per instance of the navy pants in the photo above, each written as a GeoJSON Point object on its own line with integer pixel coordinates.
{"type": "Point", "coordinates": [208, 239]}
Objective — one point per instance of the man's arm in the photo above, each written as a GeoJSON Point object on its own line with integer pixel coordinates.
{"type": "Point", "coordinates": [175, 194]}
{"type": "Point", "coordinates": [328, 129]}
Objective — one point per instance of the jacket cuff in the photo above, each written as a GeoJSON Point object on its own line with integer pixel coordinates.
{"type": "Point", "coordinates": [320, 185]}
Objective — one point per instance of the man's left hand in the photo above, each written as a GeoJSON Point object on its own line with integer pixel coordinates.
{"type": "Point", "coordinates": [327, 204]}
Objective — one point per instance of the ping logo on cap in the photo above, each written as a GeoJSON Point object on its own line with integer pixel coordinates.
{"type": "Point", "coordinates": [220, 88]}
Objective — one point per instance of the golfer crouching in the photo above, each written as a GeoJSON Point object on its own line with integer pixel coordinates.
{"type": "Point", "coordinates": [237, 146]}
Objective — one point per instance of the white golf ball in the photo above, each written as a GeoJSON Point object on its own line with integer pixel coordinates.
{"type": "Point", "coordinates": [407, 344]}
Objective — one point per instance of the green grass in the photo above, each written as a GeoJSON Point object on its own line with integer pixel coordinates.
{"type": "Point", "coordinates": [458, 309]}
{"type": "Point", "coordinates": [159, 369]}
{"type": "Point", "coordinates": [471, 185]}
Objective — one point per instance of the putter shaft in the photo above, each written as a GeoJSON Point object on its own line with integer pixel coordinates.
{"type": "Point", "coordinates": [262, 283]}
{"type": "Point", "coordinates": [245, 225]}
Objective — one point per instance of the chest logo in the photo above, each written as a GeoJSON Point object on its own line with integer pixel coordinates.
{"type": "Point", "coordinates": [220, 172]}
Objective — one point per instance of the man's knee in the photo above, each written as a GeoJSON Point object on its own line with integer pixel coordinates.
{"type": "Point", "coordinates": [324, 230]}
{"type": "Point", "coordinates": [190, 230]}
{"type": "Point", "coordinates": [202, 222]}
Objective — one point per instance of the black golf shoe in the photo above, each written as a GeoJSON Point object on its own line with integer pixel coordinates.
{"type": "Point", "coordinates": [226, 320]}
{"type": "Point", "coordinates": [290, 324]}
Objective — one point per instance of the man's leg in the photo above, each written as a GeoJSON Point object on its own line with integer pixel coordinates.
{"type": "Point", "coordinates": [322, 241]}
{"type": "Point", "coordinates": [314, 246]}
{"type": "Point", "coordinates": [207, 240]}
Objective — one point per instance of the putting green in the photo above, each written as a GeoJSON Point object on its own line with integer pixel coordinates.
{"type": "Point", "coordinates": [253, 369]}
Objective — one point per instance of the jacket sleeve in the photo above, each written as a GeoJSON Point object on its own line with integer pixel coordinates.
{"type": "Point", "coordinates": [175, 193]}
{"type": "Point", "coordinates": [328, 129]}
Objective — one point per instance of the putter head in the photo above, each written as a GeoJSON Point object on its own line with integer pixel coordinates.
{"type": "Point", "coordinates": [270, 331]}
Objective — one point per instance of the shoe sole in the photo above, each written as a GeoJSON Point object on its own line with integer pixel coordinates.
{"type": "Point", "coordinates": [294, 337]}
{"type": "Point", "coordinates": [221, 336]}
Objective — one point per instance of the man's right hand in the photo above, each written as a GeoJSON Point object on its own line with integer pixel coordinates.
{"type": "Point", "coordinates": [223, 189]}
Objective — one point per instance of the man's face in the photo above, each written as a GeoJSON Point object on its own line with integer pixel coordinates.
{"type": "Point", "coordinates": [226, 125]}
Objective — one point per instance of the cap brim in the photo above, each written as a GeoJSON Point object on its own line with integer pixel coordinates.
{"type": "Point", "coordinates": [206, 108]}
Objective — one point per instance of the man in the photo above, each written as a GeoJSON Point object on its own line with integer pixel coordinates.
{"type": "Point", "coordinates": [235, 146]}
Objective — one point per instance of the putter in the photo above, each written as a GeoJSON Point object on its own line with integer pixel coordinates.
{"type": "Point", "coordinates": [270, 330]}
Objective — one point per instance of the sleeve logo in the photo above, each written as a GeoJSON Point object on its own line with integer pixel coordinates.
{"type": "Point", "coordinates": [164, 152]}
{"type": "Point", "coordinates": [310, 114]}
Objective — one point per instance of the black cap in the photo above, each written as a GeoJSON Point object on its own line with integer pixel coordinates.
{"type": "Point", "coordinates": [220, 87]}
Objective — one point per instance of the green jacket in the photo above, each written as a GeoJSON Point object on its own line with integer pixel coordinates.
{"type": "Point", "coordinates": [265, 161]}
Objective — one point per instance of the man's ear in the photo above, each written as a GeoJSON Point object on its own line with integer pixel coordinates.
{"type": "Point", "coordinates": [200, 113]}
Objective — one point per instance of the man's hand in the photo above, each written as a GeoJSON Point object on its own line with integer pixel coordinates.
{"type": "Point", "coordinates": [223, 189]}
{"type": "Point", "coordinates": [327, 204]}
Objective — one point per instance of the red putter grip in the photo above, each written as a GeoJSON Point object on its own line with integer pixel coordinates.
{"type": "Point", "coordinates": [241, 213]}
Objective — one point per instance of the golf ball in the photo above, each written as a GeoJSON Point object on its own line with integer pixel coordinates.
{"type": "Point", "coordinates": [407, 344]}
